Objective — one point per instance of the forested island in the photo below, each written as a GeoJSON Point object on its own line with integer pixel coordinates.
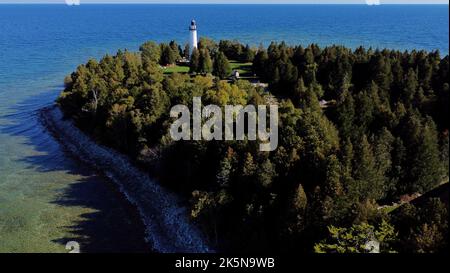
{"type": "Point", "coordinates": [362, 132]}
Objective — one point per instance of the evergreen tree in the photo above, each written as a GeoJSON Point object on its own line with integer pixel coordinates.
{"type": "Point", "coordinates": [410, 87]}
{"type": "Point", "coordinates": [398, 170]}
{"type": "Point", "coordinates": [222, 67]}
{"type": "Point", "coordinates": [152, 73]}
{"type": "Point", "coordinates": [333, 186]}
{"type": "Point", "coordinates": [132, 65]}
{"type": "Point", "coordinates": [381, 72]}
{"type": "Point", "coordinates": [368, 184]}
{"type": "Point", "coordinates": [426, 168]}
{"type": "Point", "coordinates": [195, 61]}
{"type": "Point", "coordinates": [249, 167]}
{"type": "Point", "coordinates": [347, 163]}
{"type": "Point", "coordinates": [316, 177]}
{"type": "Point", "coordinates": [266, 173]}
{"type": "Point", "coordinates": [298, 206]}
{"type": "Point", "coordinates": [150, 52]}
{"type": "Point", "coordinates": [225, 169]}
{"type": "Point", "coordinates": [364, 106]}
{"type": "Point", "coordinates": [206, 65]}
{"type": "Point", "coordinates": [176, 52]}
{"type": "Point", "coordinates": [259, 64]}
{"type": "Point", "coordinates": [382, 149]}
{"type": "Point", "coordinates": [186, 51]}
{"type": "Point", "coordinates": [310, 100]}
{"type": "Point", "coordinates": [248, 54]}
{"type": "Point", "coordinates": [299, 91]}
{"type": "Point", "coordinates": [345, 111]}
{"type": "Point", "coordinates": [300, 199]}
{"type": "Point", "coordinates": [168, 55]}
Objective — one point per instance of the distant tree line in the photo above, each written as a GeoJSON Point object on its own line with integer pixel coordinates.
{"type": "Point", "coordinates": [214, 58]}
{"type": "Point", "coordinates": [207, 58]}
{"type": "Point", "coordinates": [383, 134]}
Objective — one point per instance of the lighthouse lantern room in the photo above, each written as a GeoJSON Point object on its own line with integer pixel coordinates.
{"type": "Point", "coordinates": [193, 36]}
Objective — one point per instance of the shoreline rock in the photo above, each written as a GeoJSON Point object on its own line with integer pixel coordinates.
{"type": "Point", "coordinates": [167, 223]}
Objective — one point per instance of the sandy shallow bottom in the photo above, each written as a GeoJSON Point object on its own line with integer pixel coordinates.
{"type": "Point", "coordinates": [48, 198]}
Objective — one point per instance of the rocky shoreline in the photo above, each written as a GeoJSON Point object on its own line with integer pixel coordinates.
{"type": "Point", "coordinates": [167, 223]}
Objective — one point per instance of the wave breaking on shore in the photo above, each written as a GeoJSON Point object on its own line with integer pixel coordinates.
{"type": "Point", "coordinates": [167, 223]}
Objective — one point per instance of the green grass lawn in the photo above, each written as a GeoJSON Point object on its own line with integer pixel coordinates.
{"type": "Point", "coordinates": [244, 69]}
{"type": "Point", "coordinates": [176, 69]}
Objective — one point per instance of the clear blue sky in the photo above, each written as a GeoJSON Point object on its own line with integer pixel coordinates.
{"type": "Point", "coordinates": [239, 1]}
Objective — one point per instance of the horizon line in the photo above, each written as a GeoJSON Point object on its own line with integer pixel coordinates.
{"type": "Point", "coordinates": [203, 3]}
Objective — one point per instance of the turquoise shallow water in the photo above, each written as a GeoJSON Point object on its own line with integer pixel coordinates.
{"type": "Point", "coordinates": [48, 198]}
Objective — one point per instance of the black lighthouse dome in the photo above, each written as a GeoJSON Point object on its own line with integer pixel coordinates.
{"type": "Point", "coordinates": [193, 25]}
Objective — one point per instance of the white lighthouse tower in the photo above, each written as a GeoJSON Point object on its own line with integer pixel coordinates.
{"type": "Point", "coordinates": [193, 41]}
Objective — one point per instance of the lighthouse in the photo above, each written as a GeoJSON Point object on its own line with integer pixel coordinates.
{"type": "Point", "coordinates": [193, 36]}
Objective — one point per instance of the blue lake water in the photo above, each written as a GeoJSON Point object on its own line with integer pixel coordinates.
{"type": "Point", "coordinates": [46, 198]}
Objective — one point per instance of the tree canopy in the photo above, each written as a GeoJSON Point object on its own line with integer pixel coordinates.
{"type": "Point", "coordinates": [358, 129]}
